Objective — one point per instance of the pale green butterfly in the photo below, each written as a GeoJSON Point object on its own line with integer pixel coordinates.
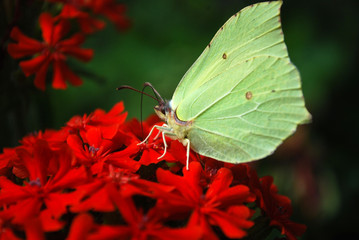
{"type": "Point", "coordinates": [242, 97]}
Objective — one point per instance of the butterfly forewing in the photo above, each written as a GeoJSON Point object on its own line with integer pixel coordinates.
{"type": "Point", "coordinates": [254, 31]}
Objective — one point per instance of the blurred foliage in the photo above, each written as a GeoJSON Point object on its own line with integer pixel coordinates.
{"type": "Point", "coordinates": [317, 167]}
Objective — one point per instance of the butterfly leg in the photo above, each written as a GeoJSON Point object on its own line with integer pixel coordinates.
{"type": "Point", "coordinates": [165, 144]}
{"type": "Point", "coordinates": [148, 136]}
{"type": "Point", "coordinates": [164, 126]}
{"type": "Point", "coordinates": [186, 143]}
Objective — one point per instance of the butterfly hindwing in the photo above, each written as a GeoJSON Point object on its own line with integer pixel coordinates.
{"type": "Point", "coordinates": [248, 119]}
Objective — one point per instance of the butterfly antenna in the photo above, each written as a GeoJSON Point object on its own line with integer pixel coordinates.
{"type": "Point", "coordinates": [156, 93]}
{"type": "Point", "coordinates": [136, 90]}
{"type": "Point", "coordinates": [158, 97]}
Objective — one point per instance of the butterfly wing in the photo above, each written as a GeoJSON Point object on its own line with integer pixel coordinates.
{"type": "Point", "coordinates": [243, 94]}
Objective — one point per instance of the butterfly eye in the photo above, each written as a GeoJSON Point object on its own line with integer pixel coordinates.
{"type": "Point", "coordinates": [160, 111]}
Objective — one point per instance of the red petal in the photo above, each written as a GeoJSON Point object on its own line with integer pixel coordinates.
{"type": "Point", "coordinates": [18, 36]}
{"type": "Point", "coordinates": [188, 233]}
{"type": "Point", "coordinates": [33, 229]}
{"type": "Point", "coordinates": [20, 50]}
{"type": "Point", "coordinates": [63, 162]}
{"type": "Point", "coordinates": [50, 224]}
{"type": "Point", "coordinates": [231, 226]}
{"type": "Point", "coordinates": [79, 53]}
{"type": "Point", "coordinates": [63, 73]}
{"type": "Point", "coordinates": [56, 204]}
{"type": "Point", "coordinates": [115, 12]}
{"type": "Point", "coordinates": [6, 159]}
{"type": "Point", "coordinates": [70, 11]}
{"type": "Point", "coordinates": [75, 40]}
{"type": "Point", "coordinates": [76, 145]}
{"type": "Point", "coordinates": [193, 177]}
{"type": "Point", "coordinates": [7, 234]}
{"type": "Point", "coordinates": [81, 227]}
{"type": "Point", "coordinates": [60, 30]}
{"type": "Point", "coordinates": [117, 109]}
{"type": "Point", "coordinates": [221, 182]}
{"type": "Point", "coordinates": [120, 160]}
{"type": "Point", "coordinates": [94, 137]}
{"type": "Point", "coordinates": [25, 209]}
{"type": "Point", "coordinates": [198, 219]}
{"type": "Point", "coordinates": [112, 232]}
{"type": "Point", "coordinates": [47, 26]}
{"type": "Point", "coordinates": [71, 77]}
{"type": "Point", "coordinates": [40, 77]}
{"type": "Point", "coordinates": [73, 178]}
{"type": "Point", "coordinates": [58, 82]}
{"type": "Point", "coordinates": [291, 229]}
{"type": "Point", "coordinates": [124, 205]}
{"type": "Point", "coordinates": [191, 193]}
{"type": "Point", "coordinates": [89, 25]}
{"type": "Point", "coordinates": [10, 192]}
{"type": "Point", "coordinates": [235, 195]}
{"type": "Point", "coordinates": [150, 156]}
{"type": "Point", "coordinates": [97, 201]}
{"type": "Point", "coordinates": [33, 65]}
{"type": "Point", "coordinates": [36, 163]}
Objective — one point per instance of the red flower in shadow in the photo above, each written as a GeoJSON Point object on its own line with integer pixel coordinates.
{"type": "Point", "coordinates": [52, 51]}
{"type": "Point", "coordinates": [87, 23]}
{"type": "Point", "coordinates": [83, 11]}
{"type": "Point", "coordinates": [140, 225]}
{"type": "Point", "coordinates": [112, 10]}
{"type": "Point", "coordinates": [219, 204]}
{"type": "Point", "coordinates": [279, 209]}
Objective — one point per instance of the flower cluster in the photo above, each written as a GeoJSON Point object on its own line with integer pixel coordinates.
{"type": "Point", "coordinates": [95, 179]}
{"type": "Point", "coordinates": [56, 46]}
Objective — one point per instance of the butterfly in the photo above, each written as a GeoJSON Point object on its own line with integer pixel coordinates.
{"type": "Point", "coordinates": [242, 97]}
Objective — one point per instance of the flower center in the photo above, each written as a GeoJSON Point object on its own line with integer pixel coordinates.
{"type": "Point", "coordinates": [93, 150]}
{"type": "Point", "coordinates": [35, 182]}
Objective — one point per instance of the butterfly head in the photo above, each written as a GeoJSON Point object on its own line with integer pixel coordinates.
{"type": "Point", "coordinates": [163, 109]}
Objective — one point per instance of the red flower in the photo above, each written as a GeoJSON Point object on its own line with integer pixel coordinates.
{"type": "Point", "coordinates": [7, 159]}
{"type": "Point", "coordinates": [34, 229]}
{"type": "Point", "coordinates": [6, 229]}
{"type": "Point", "coordinates": [143, 226]}
{"type": "Point", "coordinates": [113, 11]}
{"type": "Point", "coordinates": [77, 9]}
{"type": "Point", "coordinates": [81, 227]}
{"type": "Point", "coordinates": [87, 23]}
{"type": "Point", "coordinates": [43, 194]}
{"type": "Point", "coordinates": [279, 209]}
{"type": "Point", "coordinates": [52, 51]}
{"type": "Point", "coordinates": [97, 152]}
{"type": "Point", "coordinates": [95, 195]}
{"type": "Point", "coordinates": [109, 123]}
{"type": "Point", "coordinates": [220, 205]}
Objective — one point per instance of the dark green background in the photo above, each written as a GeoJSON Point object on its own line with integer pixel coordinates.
{"type": "Point", "coordinates": [319, 170]}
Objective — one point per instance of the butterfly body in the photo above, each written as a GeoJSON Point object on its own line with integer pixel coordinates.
{"type": "Point", "coordinates": [178, 129]}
